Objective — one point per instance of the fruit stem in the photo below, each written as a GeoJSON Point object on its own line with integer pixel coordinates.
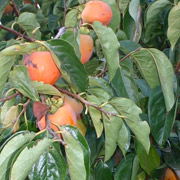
{"type": "Point", "coordinates": [16, 33]}
{"type": "Point", "coordinates": [9, 97]}
{"type": "Point", "coordinates": [87, 103]}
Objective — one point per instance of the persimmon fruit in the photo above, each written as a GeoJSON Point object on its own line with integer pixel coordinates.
{"type": "Point", "coordinates": [8, 9]}
{"type": "Point", "coordinates": [97, 11]}
{"type": "Point", "coordinates": [170, 175]}
{"type": "Point", "coordinates": [41, 67]}
{"type": "Point", "coordinates": [86, 46]}
{"type": "Point", "coordinates": [63, 116]}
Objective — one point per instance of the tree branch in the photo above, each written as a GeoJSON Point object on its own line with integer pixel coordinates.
{"type": "Point", "coordinates": [16, 33]}
{"type": "Point", "coordinates": [9, 97]}
{"type": "Point", "coordinates": [177, 68]}
{"type": "Point", "coordinates": [64, 12]}
{"type": "Point", "coordinates": [60, 33]}
{"type": "Point", "coordinates": [86, 102]}
{"type": "Point", "coordinates": [15, 8]}
{"type": "Point", "coordinates": [138, 22]}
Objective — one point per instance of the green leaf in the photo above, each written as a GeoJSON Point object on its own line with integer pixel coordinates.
{"type": "Point", "coordinates": [112, 127]}
{"type": "Point", "coordinates": [155, 67]}
{"type": "Point", "coordinates": [71, 18]}
{"type": "Point", "coordinates": [77, 153]}
{"type": "Point", "coordinates": [123, 4]}
{"type": "Point", "coordinates": [135, 168]}
{"type": "Point", "coordinates": [103, 172]}
{"type": "Point", "coordinates": [174, 25]}
{"type": "Point", "coordinates": [133, 9]}
{"type": "Point", "coordinates": [160, 121]}
{"type": "Point", "coordinates": [51, 165]}
{"type": "Point", "coordinates": [150, 161]}
{"type": "Point", "coordinates": [3, 4]}
{"type": "Point", "coordinates": [10, 147]}
{"type": "Point", "coordinates": [6, 63]}
{"type": "Point", "coordinates": [124, 169]}
{"type": "Point", "coordinates": [20, 80]}
{"type": "Point", "coordinates": [153, 17]}
{"type": "Point", "coordinates": [70, 66]}
{"type": "Point", "coordinates": [53, 22]}
{"type": "Point", "coordinates": [110, 46]}
{"type": "Point", "coordinates": [25, 160]}
{"type": "Point", "coordinates": [28, 22]}
{"type": "Point", "coordinates": [116, 14]}
{"type": "Point", "coordinates": [130, 112]}
{"type": "Point", "coordinates": [42, 88]}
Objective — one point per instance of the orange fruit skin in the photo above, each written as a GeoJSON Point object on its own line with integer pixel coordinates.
{"type": "Point", "coordinates": [8, 9]}
{"type": "Point", "coordinates": [41, 67]}
{"type": "Point", "coordinates": [86, 46]}
{"type": "Point", "coordinates": [64, 115]}
{"type": "Point", "coordinates": [76, 106]}
{"type": "Point", "coordinates": [170, 175]}
{"type": "Point", "coordinates": [97, 11]}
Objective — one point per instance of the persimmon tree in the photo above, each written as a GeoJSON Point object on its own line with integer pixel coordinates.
{"type": "Point", "coordinates": [113, 110]}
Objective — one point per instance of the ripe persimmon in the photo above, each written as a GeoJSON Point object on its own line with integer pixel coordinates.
{"type": "Point", "coordinates": [170, 175]}
{"type": "Point", "coordinates": [86, 46]}
{"type": "Point", "coordinates": [97, 11]}
{"type": "Point", "coordinates": [64, 115]}
{"type": "Point", "coordinates": [76, 106]}
{"type": "Point", "coordinates": [41, 67]}
{"type": "Point", "coordinates": [8, 9]}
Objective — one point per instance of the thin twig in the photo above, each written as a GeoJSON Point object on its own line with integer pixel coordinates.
{"type": "Point", "coordinates": [15, 8]}
{"type": "Point", "coordinates": [9, 97]}
{"type": "Point", "coordinates": [54, 134]}
{"type": "Point", "coordinates": [177, 68]}
{"type": "Point", "coordinates": [87, 103]}
{"type": "Point", "coordinates": [60, 33]}
{"type": "Point", "coordinates": [22, 112]}
{"type": "Point", "coordinates": [138, 22]}
{"type": "Point", "coordinates": [16, 33]}
{"type": "Point", "coordinates": [84, 1]}
{"type": "Point", "coordinates": [64, 12]}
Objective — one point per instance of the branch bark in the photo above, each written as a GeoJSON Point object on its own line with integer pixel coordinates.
{"type": "Point", "coordinates": [9, 97]}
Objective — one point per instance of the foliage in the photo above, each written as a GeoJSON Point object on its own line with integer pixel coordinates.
{"type": "Point", "coordinates": [129, 90]}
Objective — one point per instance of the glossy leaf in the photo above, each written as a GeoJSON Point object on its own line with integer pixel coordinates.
{"type": "Point", "coordinates": [70, 66]}
{"type": "Point", "coordinates": [3, 4]}
{"type": "Point", "coordinates": [130, 112]}
{"type": "Point", "coordinates": [25, 160]}
{"type": "Point", "coordinates": [42, 88]}
{"type": "Point", "coordinates": [9, 149]}
{"type": "Point", "coordinates": [77, 153]}
{"type": "Point", "coordinates": [157, 67]}
{"type": "Point", "coordinates": [153, 16]}
{"type": "Point", "coordinates": [150, 161]}
{"type": "Point", "coordinates": [28, 22]}
{"type": "Point", "coordinates": [6, 63]}
{"type": "Point", "coordinates": [51, 165]}
{"type": "Point", "coordinates": [110, 46]}
{"type": "Point", "coordinates": [124, 169]}
{"type": "Point", "coordinates": [160, 121]}
{"type": "Point", "coordinates": [103, 172]}
{"type": "Point", "coordinates": [173, 28]}
{"type": "Point", "coordinates": [21, 81]}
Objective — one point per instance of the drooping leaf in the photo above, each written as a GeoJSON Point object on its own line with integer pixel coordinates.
{"type": "Point", "coordinates": [9, 149]}
{"type": "Point", "coordinates": [160, 121]}
{"type": "Point", "coordinates": [6, 63]}
{"type": "Point", "coordinates": [70, 66]}
{"type": "Point", "coordinates": [135, 168]}
{"type": "Point", "coordinates": [153, 16]}
{"type": "Point", "coordinates": [103, 172]}
{"type": "Point", "coordinates": [51, 165]}
{"type": "Point", "coordinates": [133, 9]}
{"type": "Point", "coordinates": [123, 4]}
{"type": "Point", "coordinates": [174, 25]}
{"type": "Point", "coordinates": [77, 153]}
{"type": "Point", "coordinates": [3, 4]}
{"type": "Point", "coordinates": [42, 88]}
{"type": "Point", "coordinates": [71, 18]}
{"type": "Point", "coordinates": [28, 22]}
{"type": "Point", "coordinates": [157, 69]}
{"type": "Point", "coordinates": [130, 112]}
{"type": "Point", "coordinates": [116, 14]}
{"type": "Point", "coordinates": [124, 169]}
{"type": "Point", "coordinates": [110, 46]}
{"type": "Point", "coordinates": [25, 160]}
{"type": "Point", "coordinates": [150, 161]}
{"type": "Point", "coordinates": [20, 80]}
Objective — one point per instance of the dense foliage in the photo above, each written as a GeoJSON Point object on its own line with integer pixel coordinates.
{"type": "Point", "coordinates": [129, 128]}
